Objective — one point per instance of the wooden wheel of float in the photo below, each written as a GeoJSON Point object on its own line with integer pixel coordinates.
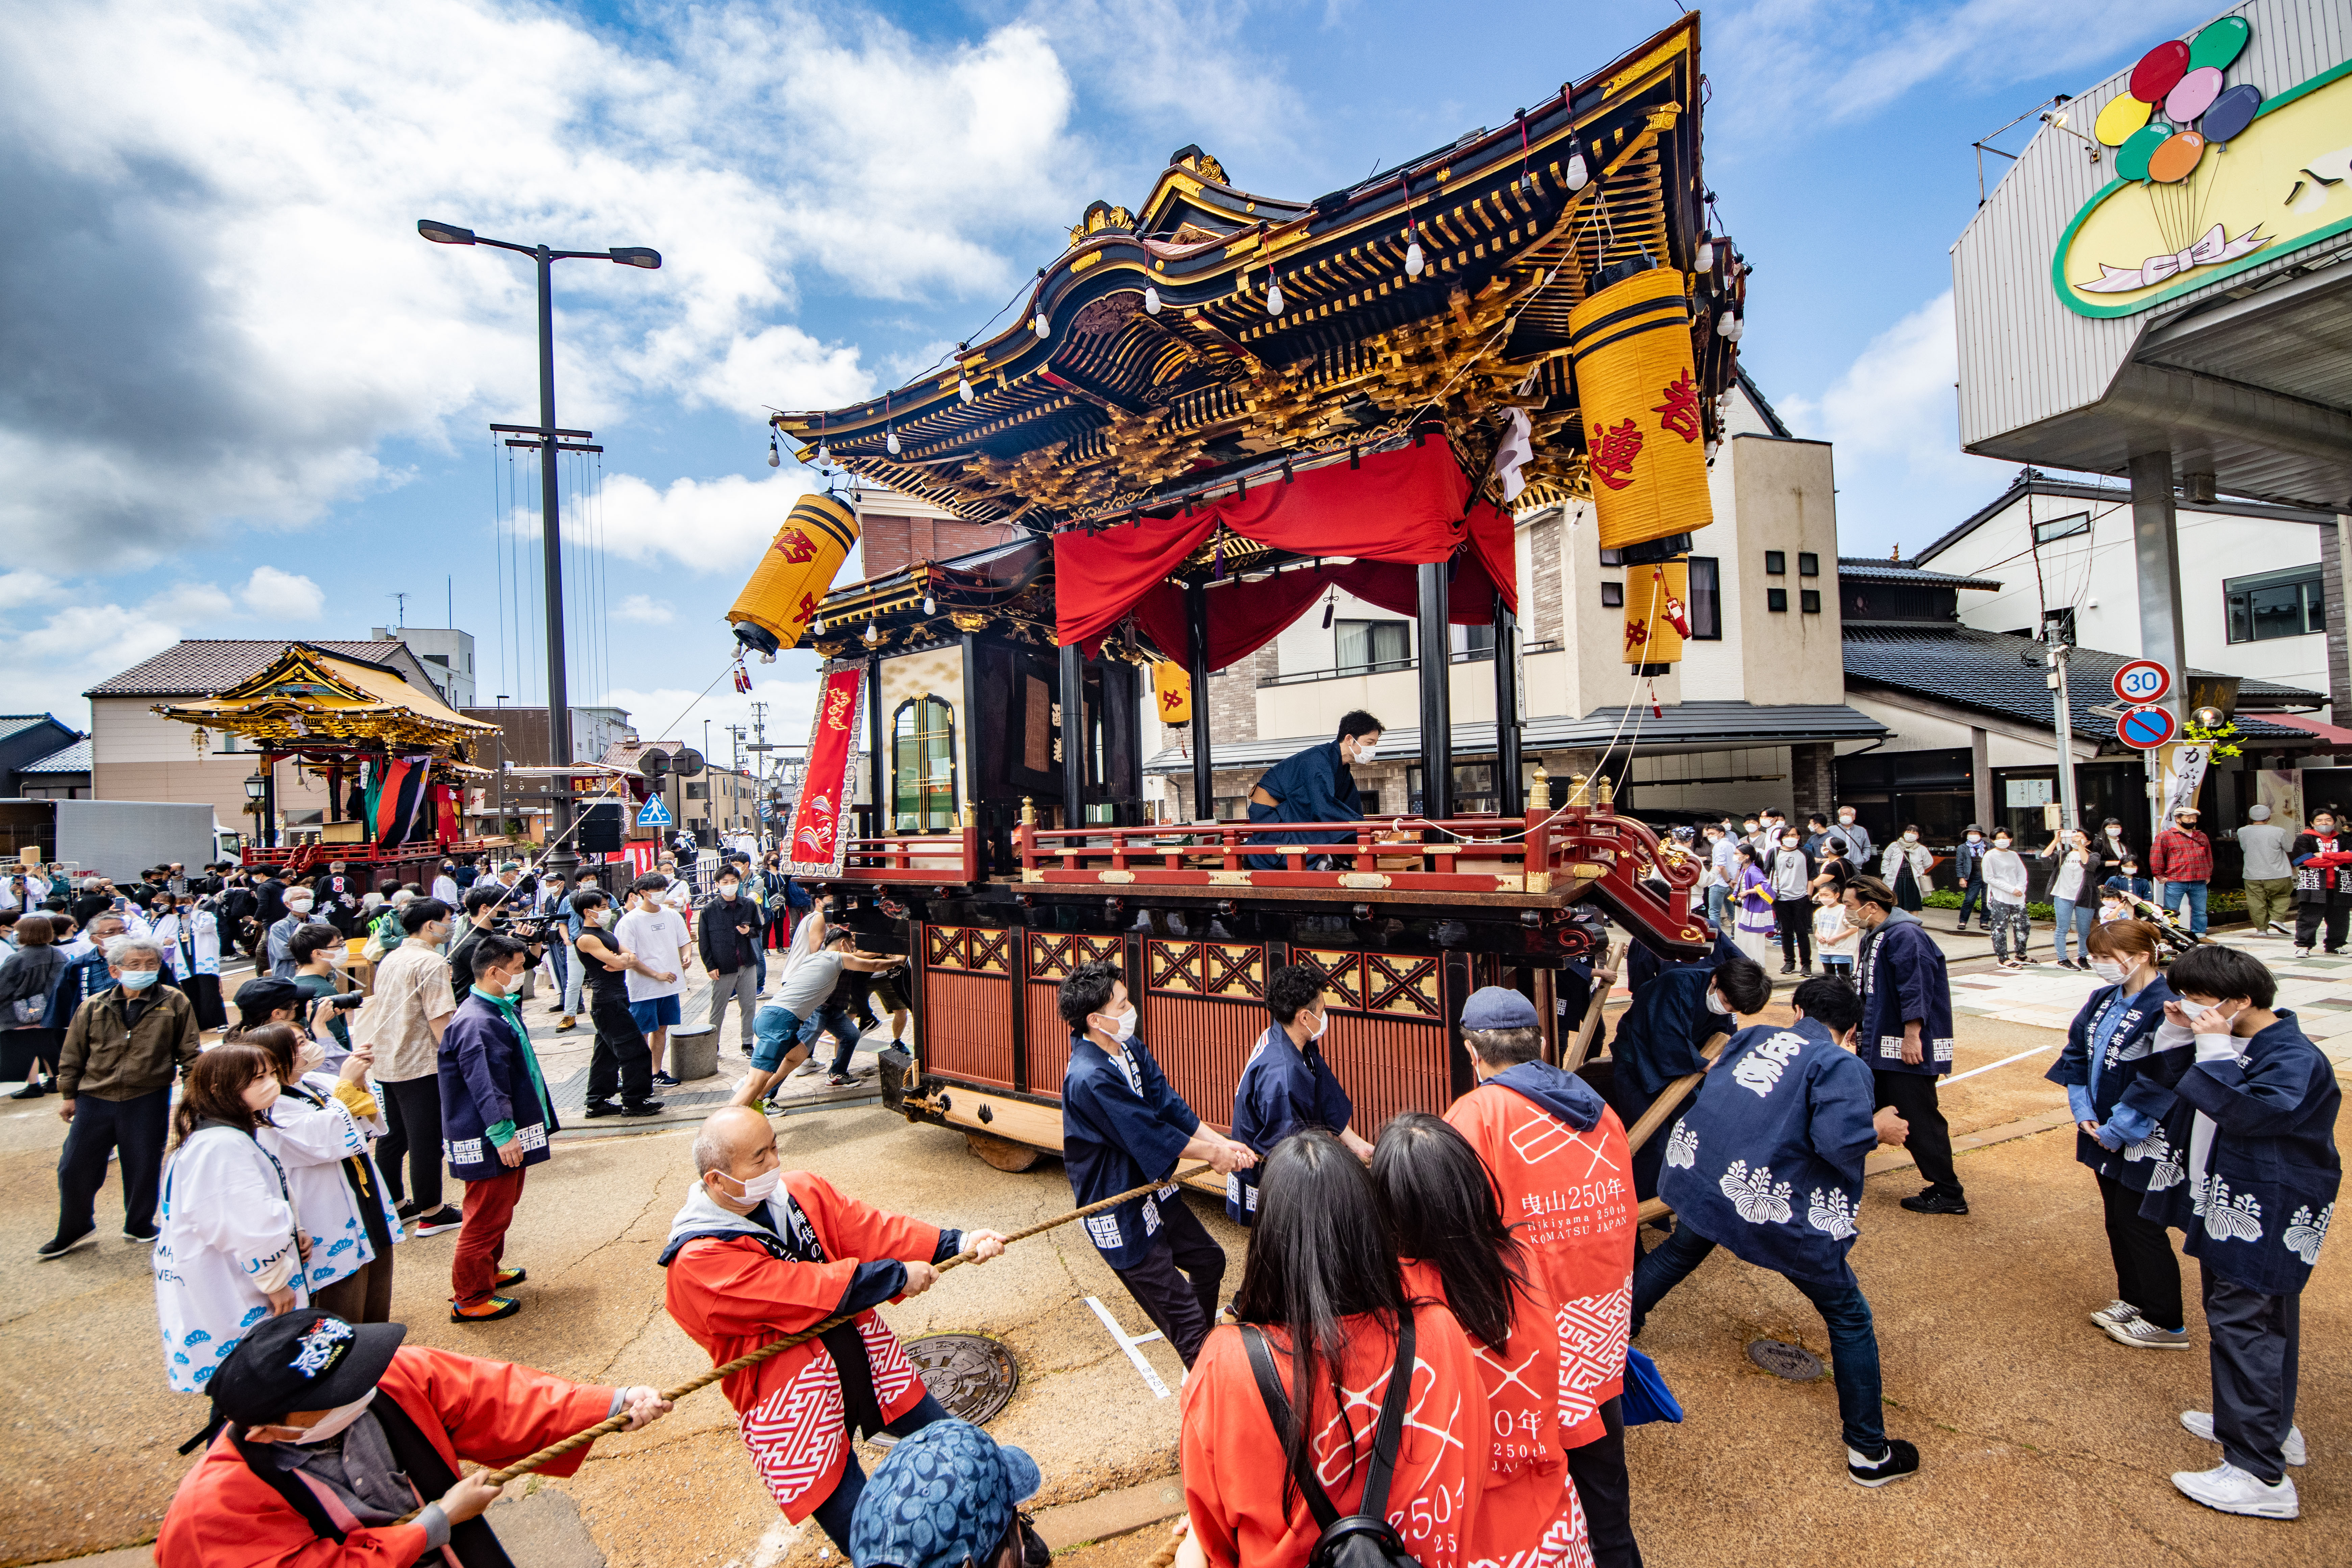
{"type": "Point", "coordinates": [1003, 1152]}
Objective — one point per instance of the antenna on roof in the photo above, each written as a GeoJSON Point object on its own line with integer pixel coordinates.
{"type": "Point", "coordinates": [401, 600]}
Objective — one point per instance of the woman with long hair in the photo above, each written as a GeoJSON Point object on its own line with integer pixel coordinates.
{"type": "Point", "coordinates": [322, 1133]}
{"type": "Point", "coordinates": [1322, 1287]}
{"type": "Point", "coordinates": [1455, 1248]}
{"type": "Point", "coordinates": [230, 1253]}
{"type": "Point", "coordinates": [1752, 921]}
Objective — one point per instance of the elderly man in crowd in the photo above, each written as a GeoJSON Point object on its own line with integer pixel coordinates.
{"type": "Point", "coordinates": [114, 1078]}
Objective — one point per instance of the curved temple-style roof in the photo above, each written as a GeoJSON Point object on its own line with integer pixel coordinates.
{"type": "Point", "coordinates": [1162, 366]}
{"type": "Point", "coordinates": [308, 699]}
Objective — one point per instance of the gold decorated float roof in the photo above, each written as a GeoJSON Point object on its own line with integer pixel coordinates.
{"type": "Point", "coordinates": [308, 699]}
{"type": "Point", "coordinates": [1119, 407]}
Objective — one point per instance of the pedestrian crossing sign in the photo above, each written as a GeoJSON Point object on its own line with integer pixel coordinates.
{"type": "Point", "coordinates": [654, 814]}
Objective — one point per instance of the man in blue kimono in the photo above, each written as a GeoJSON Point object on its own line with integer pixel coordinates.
{"type": "Point", "coordinates": [1286, 1085]}
{"type": "Point", "coordinates": [2261, 1178]}
{"type": "Point", "coordinates": [1660, 1037]}
{"type": "Point", "coordinates": [1768, 1161]}
{"type": "Point", "coordinates": [1314, 785]}
{"type": "Point", "coordinates": [496, 1119]}
{"type": "Point", "coordinates": [1123, 1126]}
{"type": "Point", "coordinates": [1906, 1032]}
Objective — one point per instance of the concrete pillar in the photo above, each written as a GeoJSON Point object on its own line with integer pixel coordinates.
{"type": "Point", "coordinates": [2155, 552]}
{"type": "Point", "coordinates": [1812, 780]}
{"type": "Point", "coordinates": [1981, 774]}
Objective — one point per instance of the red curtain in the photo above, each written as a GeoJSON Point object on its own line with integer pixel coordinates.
{"type": "Point", "coordinates": [1405, 506]}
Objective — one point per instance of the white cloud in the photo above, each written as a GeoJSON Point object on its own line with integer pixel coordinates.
{"type": "Point", "coordinates": [24, 588]}
{"type": "Point", "coordinates": [186, 604]}
{"type": "Point", "coordinates": [710, 525]}
{"type": "Point", "coordinates": [1894, 418]}
{"type": "Point", "coordinates": [674, 713]}
{"type": "Point", "coordinates": [280, 596]}
{"type": "Point", "coordinates": [644, 611]}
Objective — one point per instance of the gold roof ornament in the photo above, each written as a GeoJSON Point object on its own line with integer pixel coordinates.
{"type": "Point", "coordinates": [310, 699]}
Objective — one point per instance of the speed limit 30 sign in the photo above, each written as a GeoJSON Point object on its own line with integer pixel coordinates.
{"type": "Point", "coordinates": [2142, 681]}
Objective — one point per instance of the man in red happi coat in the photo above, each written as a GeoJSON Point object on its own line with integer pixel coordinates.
{"type": "Point", "coordinates": [759, 1252]}
{"type": "Point", "coordinates": [1560, 1161]}
{"type": "Point", "coordinates": [325, 1432]}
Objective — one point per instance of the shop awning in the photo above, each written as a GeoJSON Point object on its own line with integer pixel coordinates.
{"type": "Point", "coordinates": [2336, 738]}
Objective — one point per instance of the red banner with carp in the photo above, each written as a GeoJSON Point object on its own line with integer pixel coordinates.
{"type": "Point", "coordinates": [820, 830]}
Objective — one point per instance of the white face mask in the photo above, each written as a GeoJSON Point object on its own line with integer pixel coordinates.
{"type": "Point", "coordinates": [2195, 1010]}
{"type": "Point", "coordinates": [1910, 838]}
{"type": "Point", "coordinates": [308, 1057]}
{"type": "Point", "coordinates": [2000, 843]}
{"type": "Point", "coordinates": [728, 889]}
{"type": "Point", "coordinates": [1365, 748]}
{"type": "Point", "coordinates": [1787, 844]}
{"type": "Point", "coordinates": [1122, 1028]}
{"type": "Point", "coordinates": [2109, 970]}
{"type": "Point", "coordinates": [1322, 1022]}
{"type": "Point", "coordinates": [300, 906]}
{"type": "Point", "coordinates": [1715, 1003]}
{"type": "Point", "coordinates": [337, 1419]}
{"type": "Point", "coordinates": [1976, 837]}
{"type": "Point", "coordinates": [1846, 817]}
{"type": "Point", "coordinates": [759, 1189]}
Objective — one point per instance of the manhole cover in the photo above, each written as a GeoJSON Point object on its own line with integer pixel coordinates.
{"type": "Point", "coordinates": [971, 1374]}
{"type": "Point", "coordinates": [1794, 1362]}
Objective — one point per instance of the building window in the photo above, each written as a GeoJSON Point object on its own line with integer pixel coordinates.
{"type": "Point", "coordinates": [1777, 600]}
{"type": "Point", "coordinates": [698, 792]}
{"type": "Point", "coordinates": [1368, 647]}
{"type": "Point", "coordinates": [1612, 558]}
{"type": "Point", "coordinates": [2288, 604]}
{"type": "Point", "coordinates": [1474, 790]}
{"type": "Point", "coordinates": [1476, 641]}
{"type": "Point", "coordinates": [1369, 800]}
{"type": "Point", "coordinates": [1232, 808]}
{"type": "Point", "coordinates": [1809, 600]}
{"type": "Point", "coordinates": [1612, 595]}
{"type": "Point", "coordinates": [1705, 607]}
{"type": "Point", "coordinates": [1808, 563]}
{"type": "Point", "coordinates": [1776, 563]}
{"type": "Point", "coordinates": [2057, 528]}
{"type": "Point", "coordinates": [922, 736]}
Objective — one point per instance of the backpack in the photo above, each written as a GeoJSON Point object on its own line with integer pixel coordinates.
{"type": "Point", "coordinates": [1364, 1539]}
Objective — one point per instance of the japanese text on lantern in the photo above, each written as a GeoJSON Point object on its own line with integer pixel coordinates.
{"type": "Point", "coordinates": [1613, 451]}
{"type": "Point", "coordinates": [1679, 412]}
{"type": "Point", "coordinates": [794, 546]}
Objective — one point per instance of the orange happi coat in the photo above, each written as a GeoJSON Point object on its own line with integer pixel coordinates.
{"type": "Point", "coordinates": [1569, 1198]}
{"type": "Point", "coordinates": [731, 1296]}
{"type": "Point", "coordinates": [1235, 1470]}
{"type": "Point", "coordinates": [491, 1412]}
{"type": "Point", "coordinates": [1529, 1517]}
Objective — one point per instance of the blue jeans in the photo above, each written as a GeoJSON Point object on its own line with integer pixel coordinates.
{"type": "Point", "coordinates": [1718, 899]}
{"type": "Point", "coordinates": [836, 1021]}
{"type": "Point", "coordinates": [1853, 1344]}
{"type": "Point", "coordinates": [1971, 897]}
{"type": "Point", "coordinates": [2171, 894]}
{"type": "Point", "coordinates": [2081, 917]}
{"type": "Point", "coordinates": [834, 1514]}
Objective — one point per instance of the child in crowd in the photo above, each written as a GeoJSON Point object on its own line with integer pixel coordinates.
{"type": "Point", "coordinates": [2112, 907]}
{"type": "Point", "coordinates": [1836, 936]}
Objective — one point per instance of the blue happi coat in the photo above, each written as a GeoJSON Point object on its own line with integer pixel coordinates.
{"type": "Point", "coordinates": [1313, 785]}
{"type": "Point", "coordinates": [2120, 1063]}
{"type": "Point", "coordinates": [1902, 976]}
{"type": "Point", "coordinates": [1283, 1088]}
{"type": "Point", "coordinates": [2272, 1175]}
{"type": "Point", "coordinates": [491, 1090]}
{"type": "Point", "coordinates": [1768, 1160]}
{"type": "Point", "coordinates": [1122, 1126]}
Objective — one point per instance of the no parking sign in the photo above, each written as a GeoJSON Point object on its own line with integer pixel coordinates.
{"type": "Point", "coordinates": [2145, 729]}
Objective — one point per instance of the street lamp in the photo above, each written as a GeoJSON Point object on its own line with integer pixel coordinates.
{"type": "Point", "coordinates": [253, 786]}
{"type": "Point", "coordinates": [558, 697]}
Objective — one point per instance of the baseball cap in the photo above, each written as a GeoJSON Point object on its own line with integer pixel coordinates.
{"type": "Point", "coordinates": [946, 1495]}
{"type": "Point", "coordinates": [303, 1360]}
{"type": "Point", "coordinates": [1497, 1007]}
{"type": "Point", "coordinates": [264, 994]}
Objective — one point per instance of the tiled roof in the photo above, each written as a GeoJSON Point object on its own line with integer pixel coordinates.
{"type": "Point", "coordinates": [2002, 674]}
{"type": "Point", "coordinates": [74, 759]}
{"type": "Point", "coordinates": [1910, 574]}
{"type": "Point", "coordinates": [17, 724]}
{"type": "Point", "coordinates": [199, 667]}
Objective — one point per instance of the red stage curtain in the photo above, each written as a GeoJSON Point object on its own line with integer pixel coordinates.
{"type": "Point", "coordinates": [1243, 616]}
{"type": "Point", "coordinates": [1401, 506]}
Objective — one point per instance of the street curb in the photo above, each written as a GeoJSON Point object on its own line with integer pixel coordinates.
{"type": "Point", "coordinates": [1886, 1159]}
{"type": "Point", "coordinates": [1106, 1515]}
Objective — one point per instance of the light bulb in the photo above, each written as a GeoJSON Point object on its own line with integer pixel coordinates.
{"type": "Point", "coordinates": [929, 607]}
{"type": "Point", "coordinates": [823, 453]}
{"type": "Point", "coordinates": [1736, 328]}
{"type": "Point", "coordinates": [1578, 175]}
{"type": "Point", "coordinates": [1150, 301]}
{"type": "Point", "coordinates": [963, 388]}
{"type": "Point", "coordinates": [817, 626]}
{"type": "Point", "coordinates": [1723, 323]}
{"type": "Point", "coordinates": [1705, 259]}
{"type": "Point", "coordinates": [1273, 297]}
{"type": "Point", "coordinates": [775, 458]}
{"type": "Point", "coordinates": [873, 634]}
{"type": "Point", "coordinates": [890, 441]}
{"type": "Point", "coordinates": [1039, 326]}
{"type": "Point", "coordinates": [1412, 259]}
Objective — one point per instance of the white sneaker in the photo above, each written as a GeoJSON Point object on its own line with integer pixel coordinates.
{"type": "Point", "coordinates": [2114, 1314]}
{"type": "Point", "coordinates": [2199, 1424]}
{"type": "Point", "coordinates": [2232, 1490]}
{"type": "Point", "coordinates": [2303, 952]}
{"type": "Point", "coordinates": [2141, 1334]}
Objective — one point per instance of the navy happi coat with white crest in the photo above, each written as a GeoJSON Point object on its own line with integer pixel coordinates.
{"type": "Point", "coordinates": [1768, 1160]}
{"type": "Point", "coordinates": [1122, 1125]}
{"type": "Point", "coordinates": [2121, 1061]}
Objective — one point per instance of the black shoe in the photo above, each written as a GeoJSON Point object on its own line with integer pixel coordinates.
{"type": "Point", "coordinates": [1788, 969]}
{"type": "Point", "coordinates": [596, 1108]}
{"type": "Point", "coordinates": [147, 1238]}
{"type": "Point", "coordinates": [60, 1246]}
{"type": "Point", "coordinates": [643, 1108]}
{"type": "Point", "coordinates": [1934, 1201]}
{"type": "Point", "coordinates": [34, 1089]}
{"type": "Point", "coordinates": [433, 1224]}
{"type": "Point", "coordinates": [404, 1210]}
{"type": "Point", "coordinates": [1901, 1460]}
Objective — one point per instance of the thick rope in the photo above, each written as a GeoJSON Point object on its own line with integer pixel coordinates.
{"type": "Point", "coordinates": [777, 1347]}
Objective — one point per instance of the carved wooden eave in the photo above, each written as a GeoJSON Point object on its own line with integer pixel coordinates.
{"type": "Point", "coordinates": [1117, 404]}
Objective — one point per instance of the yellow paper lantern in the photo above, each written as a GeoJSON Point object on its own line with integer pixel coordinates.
{"type": "Point", "coordinates": [1171, 686]}
{"type": "Point", "coordinates": [1644, 440]}
{"type": "Point", "coordinates": [793, 575]}
{"type": "Point", "coordinates": [1657, 612]}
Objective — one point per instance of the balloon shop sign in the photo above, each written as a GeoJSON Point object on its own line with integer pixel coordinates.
{"type": "Point", "coordinates": [2213, 175]}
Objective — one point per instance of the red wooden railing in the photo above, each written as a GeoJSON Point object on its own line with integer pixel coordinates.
{"type": "Point", "coordinates": [915, 858]}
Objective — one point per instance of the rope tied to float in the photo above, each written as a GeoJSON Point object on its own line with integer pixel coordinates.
{"type": "Point", "coordinates": [616, 1422]}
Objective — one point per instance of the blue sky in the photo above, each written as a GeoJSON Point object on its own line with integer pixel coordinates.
{"type": "Point", "coordinates": [245, 400]}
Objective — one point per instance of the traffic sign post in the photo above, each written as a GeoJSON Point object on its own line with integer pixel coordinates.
{"type": "Point", "coordinates": [2142, 682]}
{"type": "Point", "coordinates": [654, 814]}
{"type": "Point", "coordinates": [2145, 729]}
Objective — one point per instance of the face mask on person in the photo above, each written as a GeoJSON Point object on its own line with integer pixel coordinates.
{"type": "Point", "coordinates": [2109, 970]}
{"type": "Point", "coordinates": [2001, 843]}
{"type": "Point", "coordinates": [728, 889]}
{"type": "Point", "coordinates": [758, 1189]}
{"type": "Point", "coordinates": [2192, 1011]}
{"type": "Point", "coordinates": [1122, 1028]}
{"type": "Point", "coordinates": [1846, 817]}
{"type": "Point", "coordinates": [602, 917]}
{"type": "Point", "coordinates": [1322, 1022]}
{"type": "Point", "coordinates": [1715, 1003]}
{"type": "Point", "coordinates": [496, 984]}
{"type": "Point", "coordinates": [301, 906]}
{"type": "Point", "coordinates": [135, 980]}
{"type": "Point", "coordinates": [1976, 837]}
{"type": "Point", "coordinates": [309, 1058]}
{"type": "Point", "coordinates": [1365, 748]}
{"type": "Point", "coordinates": [1910, 838]}
{"type": "Point", "coordinates": [338, 1418]}
{"type": "Point", "coordinates": [1747, 828]}
{"type": "Point", "coordinates": [1788, 842]}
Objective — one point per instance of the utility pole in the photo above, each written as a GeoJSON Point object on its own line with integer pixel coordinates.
{"type": "Point", "coordinates": [2057, 635]}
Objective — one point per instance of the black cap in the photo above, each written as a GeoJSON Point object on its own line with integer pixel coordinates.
{"type": "Point", "coordinates": [264, 994]}
{"type": "Point", "coordinates": [305, 1360]}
